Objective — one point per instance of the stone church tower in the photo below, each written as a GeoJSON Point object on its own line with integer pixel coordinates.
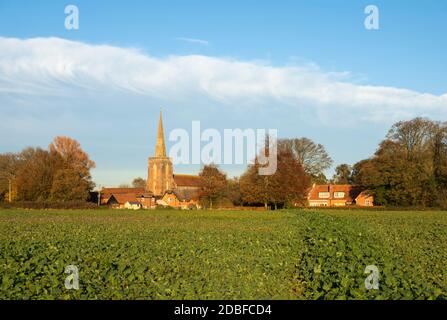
{"type": "Point", "coordinates": [160, 172]}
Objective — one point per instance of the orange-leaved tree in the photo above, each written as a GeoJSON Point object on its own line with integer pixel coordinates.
{"type": "Point", "coordinates": [213, 185]}
{"type": "Point", "coordinates": [73, 180]}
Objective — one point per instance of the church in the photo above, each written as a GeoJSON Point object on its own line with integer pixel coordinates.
{"type": "Point", "coordinates": [163, 187]}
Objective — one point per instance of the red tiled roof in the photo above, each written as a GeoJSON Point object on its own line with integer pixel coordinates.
{"type": "Point", "coordinates": [351, 192]}
{"type": "Point", "coordinates": [123, 198]}
{"type": "Point", "coordinates": [122, 190]}
{"type": "Point", "coordinates": [121, 195]}
{"type": "Point", "coordinates": [185, 180]}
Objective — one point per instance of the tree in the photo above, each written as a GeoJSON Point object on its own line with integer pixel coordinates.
{"type": "Point", "coordinates": [413, 136]}
{"type": "Point", "coordinates": [35, 174]}
{"type": "Point", "coordinates": [319, 179]}
{"type": "Point", "coordinates": [8, 168]}
{"type": "Point", "coordinates": [72, 155]}
{"type": "Point", "coordinates": [286, 187]}
{"type": "Point", "coordinates": [139, 183]}
{"type": "Point", "coordinates": [254, 187]}
{"type": "Point", "coordinates": [362, 172]}
{"type": "Point", "coordinates": [313, 157]}
{"type": "Point", "coordinates": [393, 178]}
{"type": "Point", "coordinates": [406, 170]}
{"type": "Point", "coordinates": [75, 168]}
{"type": "Point", "coordinates": [234, 191]}
{"type": "Point", "coordinates": [440, 165]}
{"type": "Point", "coordinates": [343, 174]}
{"type": "Point", "coordinates": [69, 185]}
{"type": "Point", "coordinates": [213, 185]}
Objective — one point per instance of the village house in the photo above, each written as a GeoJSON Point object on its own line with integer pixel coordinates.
{"type": "Point", "coordinates": [336, 195]}
{"type": "Point", "coordinates": [118, 197]}
{"type": "Point", "coordinates": [163, 187]}
{"type": "Point", "coordinates": [132, 205]}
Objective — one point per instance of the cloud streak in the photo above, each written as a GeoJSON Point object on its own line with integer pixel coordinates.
{"type": "Point", "coordinates": [192, 40]}
{"type": "Point", "coordinates": [54, 66]}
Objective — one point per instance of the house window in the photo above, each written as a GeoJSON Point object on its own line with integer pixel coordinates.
{"type": "Point", "coordinates": [367, 202]}
{"type": "Point", "coordinates": [324, 195]}
{"type": "Point", "coordinates": [339, 195]}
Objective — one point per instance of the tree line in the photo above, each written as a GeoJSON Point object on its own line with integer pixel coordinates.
{"type": "Point", "coordinates": [299, 162]}
{"type": "Point", "coordinates": [409, 168]}
{"type": "Point", "coordinates": [59, 173]}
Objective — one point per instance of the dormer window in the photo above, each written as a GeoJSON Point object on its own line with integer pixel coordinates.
{"type": "Point", "coordinates": [339, 195]}
{"type": "Point", "coordinates": [324, 195]}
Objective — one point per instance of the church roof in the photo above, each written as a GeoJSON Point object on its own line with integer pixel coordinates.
{"type": "Point", "coordinates": [110, 191]}
{"type": "Point", "coordinates": [186, 180]}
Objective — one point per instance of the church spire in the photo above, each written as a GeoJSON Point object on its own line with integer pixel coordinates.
{"type": "Point", "coordinates": [160, 148]}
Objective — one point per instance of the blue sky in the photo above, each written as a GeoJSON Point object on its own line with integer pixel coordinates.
{"type": "Point", "coordinates": [344, 85]}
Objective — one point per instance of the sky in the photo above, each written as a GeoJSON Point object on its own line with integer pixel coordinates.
{"type": "Point", "coordinates": [305, 68]}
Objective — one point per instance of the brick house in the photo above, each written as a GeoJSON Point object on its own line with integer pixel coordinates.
{"type": "Point", "coordinates": [336, 195]}
{"type": "Point", "coordinates": [184, 199]}
{"type": "Point", "coordinates": [132, 193]}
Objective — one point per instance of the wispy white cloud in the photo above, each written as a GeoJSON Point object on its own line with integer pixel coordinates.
{"type": "Point", "coordinates": [54, 66]}
{"type": "Point", "coordinates": [193, 40]}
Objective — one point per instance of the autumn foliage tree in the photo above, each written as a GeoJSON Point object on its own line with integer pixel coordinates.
{"type": "Point", "coordinates": [35, 174]}
{"type": "Point", "coordinates": [234, 192]}
{"type": "Point", "coordinates": [61, 173]}
{"type": "Point", "coordinates": [8, 171]}
{"type": "Point", "coordinates": [254, 187]}
{"type": "Point", "coordinates": [69, 185]}
{"type": "Point", "coordinates": [213, 185]}
{"type": "Point", "coordinates": [290, 183]}
{"type": "Point", "coordinates": [286, 187]}
{"type": "Point", "coordinates": [408, 169]}
{"type": "Point", "coordinates": [73, 180]}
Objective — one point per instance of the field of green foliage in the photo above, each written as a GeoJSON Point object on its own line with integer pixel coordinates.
{"type": "Point", "coordinates": [299, 254]}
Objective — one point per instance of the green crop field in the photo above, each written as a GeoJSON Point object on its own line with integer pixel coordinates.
{"type": "Point", "coordinates": [223, 254]}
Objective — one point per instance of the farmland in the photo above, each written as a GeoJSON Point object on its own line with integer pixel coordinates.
{"type": "Point", "coordinates": [296, 254]}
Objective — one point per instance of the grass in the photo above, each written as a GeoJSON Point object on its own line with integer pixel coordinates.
{"type": "Point", "coordinates": [222, 254]}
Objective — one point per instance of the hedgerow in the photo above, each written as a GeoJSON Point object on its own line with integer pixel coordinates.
{"type": "Point", "coordinates": [74, 204]}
